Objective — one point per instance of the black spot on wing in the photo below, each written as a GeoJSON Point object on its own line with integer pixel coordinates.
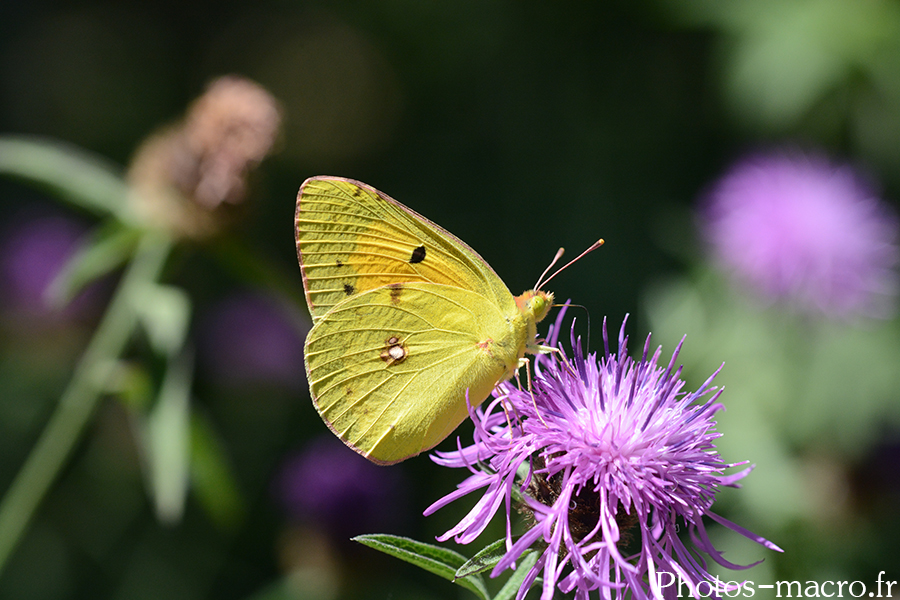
{"type": "Point", "coordinates": [339, 263]}
{"type": "Point", "coordinates": [349, 289]}
{"type": "Point", "coordinates": [418, 255]}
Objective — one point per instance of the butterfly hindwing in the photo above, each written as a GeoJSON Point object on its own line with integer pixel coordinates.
{"type": "Point", "coordinates": [389, 368]}
{"type": "Point", "coordinates": [351, 238]}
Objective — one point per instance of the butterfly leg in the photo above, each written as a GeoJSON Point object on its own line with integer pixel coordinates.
{"type": "Point", "coordinates": [530, 389]}
{"type": "Point", "coordinates": [539, 349]}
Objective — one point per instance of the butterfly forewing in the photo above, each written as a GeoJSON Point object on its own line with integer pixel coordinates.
{"type": "Point", "coordinates": [352, 238]}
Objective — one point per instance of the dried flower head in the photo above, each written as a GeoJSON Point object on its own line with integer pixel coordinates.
{"type": "Point", "coordinates": [609, 457]}
{"type": "Point", "coordinates": [184, 175]}
{"type": "Point", "coordinates": [800, 229]}
{"type": "Point", "coordinates": [228, 130]}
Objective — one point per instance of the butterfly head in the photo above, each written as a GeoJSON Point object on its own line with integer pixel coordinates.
{"type": "Point", "coordinates": [535, 304]}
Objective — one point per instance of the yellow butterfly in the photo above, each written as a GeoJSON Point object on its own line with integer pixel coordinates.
{"type": "Point", "coordinates": [406, 319]}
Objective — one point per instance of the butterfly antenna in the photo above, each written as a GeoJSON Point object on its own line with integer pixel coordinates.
{"type": "Point", "coordinates": [593, 247]}
{"type": "Point", "coordinates": [556, 258]}
{"type": "Point", "coordinates": [562, 355]}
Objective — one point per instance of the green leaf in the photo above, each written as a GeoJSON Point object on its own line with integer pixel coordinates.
{"type": "Point", "coordinates": [131, 384]}
{"type": "Point", "coordinates": [213, 482]}
{"type": "Point", "coordinates": [84, 179]}
{"type": "Point", "coordinates": [167, 441]}
{"type": "Point", "coordinates": [437, 560]}
{"type": "Point", "coordinates": [164, 311]}
{"type": "Point", "coordinates": [512, 585]}
{"type": "Point", "coordinates": [523, 473]}
{"type": "Point", "coordinates": [106, 249]}
{"type": "Point", "coordinates": [485, 559]}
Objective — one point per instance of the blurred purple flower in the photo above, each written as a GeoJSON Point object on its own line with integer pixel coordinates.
{"type": "Point", "coordinates": [609, 456]}
{"type": "Point", "coordinates": [250, 339]}
{"type": "Point", "coordinates": [799, 228]}
{"type": "Point", "coordinates": [33, 251]}
{"type": "Point", "coordinates": [328, 486]}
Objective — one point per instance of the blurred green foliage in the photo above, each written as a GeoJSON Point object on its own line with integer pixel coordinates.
{"type": "Point", "coordinates": [518, 125]}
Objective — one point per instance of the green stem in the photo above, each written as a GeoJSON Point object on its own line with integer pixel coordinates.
{"type": "Point", "coordinates": [80, 397]}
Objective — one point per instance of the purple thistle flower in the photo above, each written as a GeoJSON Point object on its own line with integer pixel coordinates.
{"type": "Point", "coordinates": [799, 228]}
{"type": "Point", "coordinates": [34, 249]}
{"type": "Point", "coordinates": [249, 339]}
{"type": "Point", "coordinates": [608, 456]}
{"type": "Point", "coordinates": [339, 491]}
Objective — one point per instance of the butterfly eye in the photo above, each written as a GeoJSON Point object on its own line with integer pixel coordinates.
{"type": "Point", "coordinates": [540, 305]}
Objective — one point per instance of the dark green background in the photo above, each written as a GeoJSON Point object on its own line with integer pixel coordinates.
{"type": "Point", "coordinates": [520, 126]}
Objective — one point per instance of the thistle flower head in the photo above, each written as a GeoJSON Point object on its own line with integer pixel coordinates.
{"type": "Point", "coordinates": [339, 492]}
{"type": "Point", "coordinates": [35, 248]}
{"type": "Point", "coordinates": [33, 251]}
{"type": "Point", "coordinates": [609, 455]}
{"type": "Point", "coordinates": [800, 229]}
{"type": "Point", "coordinates": [249, 339]}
